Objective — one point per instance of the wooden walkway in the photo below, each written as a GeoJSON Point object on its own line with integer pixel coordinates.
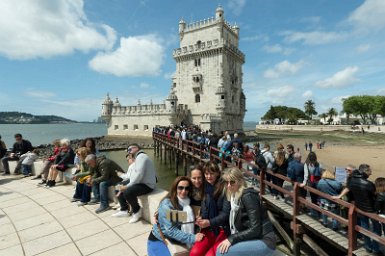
{"type": "Point", "coordinates": [181, 153]}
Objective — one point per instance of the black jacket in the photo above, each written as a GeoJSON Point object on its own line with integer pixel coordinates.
{"type": "Point", "coordinates": [105, 170]}
{"type": "Point", "coordinates": [379, 204]}
{"type": "Point", "coordinates": [22, 148]}
{"type": "Point", "coordinates": [222, 219]}
{"type": "Point", "coordinates": [251, 220]}
{"type": "Point", "coordinates": [363, 192]}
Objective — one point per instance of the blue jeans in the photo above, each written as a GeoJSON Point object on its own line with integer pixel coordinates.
{"type": "Point", "coordinates": [251, 247]}
{"type": "Point", "coordinates": [83, 192]}
{"type": "Point", "coordinates": [369, 244]}
{"type": "Point", "coordinates": [27, 169]}
{"type": "Point", "coordinates": [335, 210]}
{"type": "Point", "coordinates": [100, 191]}
{"type": "Point", "coordinates": [156, 248]}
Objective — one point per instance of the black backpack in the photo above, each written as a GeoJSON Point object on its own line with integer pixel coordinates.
{"type": "Point", "coordinates": [260, 161]}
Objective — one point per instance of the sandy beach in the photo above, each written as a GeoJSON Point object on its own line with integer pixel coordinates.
{"type": "Point", "coordinates": [337, 154]}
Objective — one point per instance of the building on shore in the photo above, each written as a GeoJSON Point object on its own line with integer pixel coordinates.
{"type": "Point", "coordinates": [206, 88]}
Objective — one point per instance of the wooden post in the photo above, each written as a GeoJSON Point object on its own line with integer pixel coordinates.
{"type": "Point", "coordinates": [294, 223]}
{"type": "Point", "coordinates": [177, 164]}
{"type": "Point", "coordinates": [184, 156]}
{"type": "Point", "coordinates": [352, 233]}
{"type": "Point", "coordinates": [160, 150]}
{"type": "Point", "coordinates": [262, 185]}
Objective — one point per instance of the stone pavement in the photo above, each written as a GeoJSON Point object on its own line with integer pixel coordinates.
{"type": "Point", "coordinates": [40, 221]}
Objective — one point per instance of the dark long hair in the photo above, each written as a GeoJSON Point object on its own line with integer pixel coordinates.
{"type": "Point", "coordinates": [198, 193]}
{"type": "Point", "coordinates": [93, 145]}
{"type": "Point", "coordinates": [172, 194]}
{"type": "Point", "coordinates": [219, 184]}
{"type": "Point", "coordinates": [312, 159]}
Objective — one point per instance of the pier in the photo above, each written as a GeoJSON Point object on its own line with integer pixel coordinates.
{"type": "Point", "coordinates": [304, 230]}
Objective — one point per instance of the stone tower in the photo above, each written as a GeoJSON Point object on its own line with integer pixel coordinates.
{"type": "Point", "coordinates": [208, 75]}
{"type": "Point", "coordinates": [206, 89]}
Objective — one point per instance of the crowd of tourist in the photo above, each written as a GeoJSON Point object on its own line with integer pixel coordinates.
{"type": "Point", "coordinates": [223, 212]}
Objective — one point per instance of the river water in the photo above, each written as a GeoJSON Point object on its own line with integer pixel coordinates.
{"type": "Point", "coordinates": [45, 133]}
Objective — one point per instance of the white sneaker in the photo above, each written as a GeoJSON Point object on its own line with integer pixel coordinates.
{"type": "Point", "coordinates": [120, 214]}
{"type": "Point", "coordinates": [136, 216]}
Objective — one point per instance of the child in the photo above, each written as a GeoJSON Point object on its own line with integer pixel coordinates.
{"type": "Point", "coordinates": [28, 159]}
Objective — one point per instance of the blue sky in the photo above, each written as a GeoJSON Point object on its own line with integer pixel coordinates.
{"type": "Point", "coordinates": [62, 56]}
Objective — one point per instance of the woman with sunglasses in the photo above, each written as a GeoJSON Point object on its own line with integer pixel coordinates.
{"type": "Point", "coordinates": [251, 231]}
{"type": "Point", "coordinates": [177, 199]}
{"type": "Point", "coordinates": [215, 210]}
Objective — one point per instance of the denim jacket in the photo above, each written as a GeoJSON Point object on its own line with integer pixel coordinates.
{"type": "Point", "coordinates": [170, 230]}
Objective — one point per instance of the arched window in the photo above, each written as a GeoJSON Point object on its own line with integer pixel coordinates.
{"type": "Point", "coordinates": [197, 98]}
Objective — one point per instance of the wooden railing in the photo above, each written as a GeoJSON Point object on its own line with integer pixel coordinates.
{"type": "Point", "coordinates": [202, 153]}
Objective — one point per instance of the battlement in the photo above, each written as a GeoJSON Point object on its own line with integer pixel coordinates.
{"type": "Point", "coordinates": [205, 46]}
{"type": "Point", "coordinates": [209, 22]}
{"type": "Point", "coordinates": [149, 109]}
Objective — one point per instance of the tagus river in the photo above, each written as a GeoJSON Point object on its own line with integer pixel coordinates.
{"type": "Point", "coordinates": [45, 133]}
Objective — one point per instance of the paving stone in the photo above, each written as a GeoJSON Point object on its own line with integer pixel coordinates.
{"type": "Point", "coordinates": [50, 199]}
{"type": "Point", "coordinates": [65, 250]}
{"type": "Point", "coordinates": [98, 242]}
{"type": "Point", "coordinates": [12, 202]}
{"type": "Point", "coordinates": [139, 244]}
{"type": "Point", "coordinates": [27, 214]}
{"type": "Point", "coordinates": [9, 196]}
{"type": "Point", "coordinates": [128, 231]}
{"type": "Point", "coordinates": [58, 205]}
{"type": "Point", "coordinates": [20, 207]}
{"type": "Point", "coordinates": [9, 240]}
{"type": "Point", "coordinates": [33, 221]}
{"type": "Point", "coordinates": [77, 219]}
{"type": "Point", "coordinates": [121, 249]}
{"type": "Point", "coordinates": [46, 243]}
{"type": "Point", "coordinates": [12, 251]}
{"type": "Point", "coordinates": [68, 211]}
{"type": "Point", "coordinates": [86, 229]}
{"type": "Point", "coordinates": [7, 229]}
{"type": "Point", "coordinates": [39, 231]}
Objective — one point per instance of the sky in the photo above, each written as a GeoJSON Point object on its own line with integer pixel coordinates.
{"type": "Point", "coordinates": [62, 57]}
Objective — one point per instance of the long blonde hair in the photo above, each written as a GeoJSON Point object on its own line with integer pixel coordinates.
{"type": "Point", "coordinates": [234, 174]}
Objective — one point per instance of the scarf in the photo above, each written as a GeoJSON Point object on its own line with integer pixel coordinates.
{"type": "Point", "coordinates": [185, 203]}
{"type": "Point", "coordinates": [233, 212]}
{"type": "Point", "coordinates": [211, 203]}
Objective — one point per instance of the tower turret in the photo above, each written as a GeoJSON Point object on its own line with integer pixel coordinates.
{"type": "Point", "coordinates": [219, 13]}
{"type": "Point", "coordinates": [107, 108]}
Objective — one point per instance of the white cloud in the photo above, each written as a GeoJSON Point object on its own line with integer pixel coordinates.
{"type": "Point", "coordinates": [308, 94]}
{"type": "Point", "coordinates": [314, 37]}
{"type": "Point", "coordinates": [42, 29]}
{"type": "Point", "coordinates": [39, 94]}
{"type": "Point", "coordinates": [283, 68]}
{"type": "Point", "coordinates": [144, 85]}
{"type": "Point", "coordinates": [236, 6]}
{"type": "Point", "coordinates": [258, 37]}
{"type": "Point", "coordinates": [136, 56]}
{"type": "Point", "coordinates": [280, 92]}
{"type": "Point", "coordinates": [363, 48]}
{"type": "Point", "coordinates": [369, 16]}
{"type": "Point", "coordinates": [338, 99]}
{"type": "Point", "coordinates": [276, 48]}
{"type": "Point", "coordinates": [342, 78]}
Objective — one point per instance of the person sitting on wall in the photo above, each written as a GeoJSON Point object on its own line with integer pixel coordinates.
{"type": "Point", "coordinates": [63, 160]}
{"type": "Point", "coordinates": [20, 147]}
{"type": "Point", "coordinates": [177, 199]}
{"type": "Point", "coordinates": [104, 176]}
{"type": "Point", "coordinates": [142, 181]}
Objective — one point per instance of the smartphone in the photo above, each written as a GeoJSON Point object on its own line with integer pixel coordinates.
{"type": "Point", "coordinates": [176, 216]}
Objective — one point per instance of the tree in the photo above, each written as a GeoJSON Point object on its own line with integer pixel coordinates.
{"type": "Point", "coordinates": [284, 113]}
{"type": "Point", "coordinates": [323, 116]}
{"type": "Point", "coordinates": [310, 109]}
{"type": "Point", "coordinates": [331, 112]}
{"type": "Point", "coordinates": [367, 107]}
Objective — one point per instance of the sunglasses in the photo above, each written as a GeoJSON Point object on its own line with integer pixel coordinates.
{"type": "Point", "coordinates": [183, 188]}
{"type": "Point", "coordinates": [231, 182]}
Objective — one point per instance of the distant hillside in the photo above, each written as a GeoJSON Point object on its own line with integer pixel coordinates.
{"type": "Point", "coordinates": [25, 118]}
